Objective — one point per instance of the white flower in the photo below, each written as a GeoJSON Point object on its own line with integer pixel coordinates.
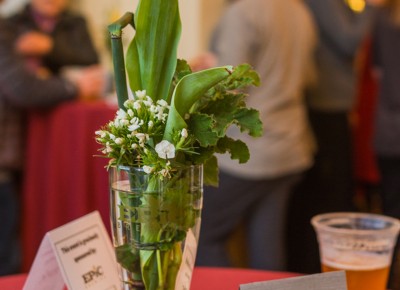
{"type": "Point", "coordinates": [165, 150]}
{"type": "Point", "coordinates": [148, 169]}
{"type": "Point", "coordinates": [101, 133]}
{"type": "Point", "coordinates": [148, 102]}
{"type": "Point", "coordinates": [121, 114]}
{"type": "Point", "coordinates": [136, 123]}
{"type": "Point", "coordinates": [112, 136]}
{"type": "Point", "coordinates": [164, 172]}
{"type": "Point", "coordinates": [150, 124]}
{"type": "Point", "coordinates": [119, 141]}
{"type": "Point", "coordinates": [133, 127]}
{"type": "Point", "coordinates": [140, 94]}
{"type": "Point", "coordinates": [130, 113]}
{"type": "Point", "coordinates": [129, 102]}
{"type": "Point", "coordinates": [136, 106]}
{"type": "Point", "coordinates": [162, 103]}
{"type": "Point", "coordinates": [134, 146]}
{"type": "Point", "coordinates": [108, 148]}
{"type": "Point", "coordinates": [184, 133]}
{"type": "Point", "coordinates": [153, 109]}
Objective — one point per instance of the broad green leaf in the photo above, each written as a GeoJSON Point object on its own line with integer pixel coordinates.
{"type": "Point", "coordinates": [224, 110]}
{"type": "Point", "coordinates": [201, 126]}
{"type": "Point", "coordinates": [236, 148]}
{"type": "Point", "coordinates": [249, 120]}
{"type": "Point", "coordinates": [149, 266]}
{"type": "Point", "coordinates": [151, 56]}
{"type": "Point", "coordinates": [211, 171]}
{"type": "Point", "coordinates": [189, 89]}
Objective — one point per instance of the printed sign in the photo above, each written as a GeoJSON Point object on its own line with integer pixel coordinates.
{"type": "Point", "coordinates": [324, 281]}
{"type": "Point", "coordinates": [78, 255]}
{"type": "Point", "coordinates": [186, 269]}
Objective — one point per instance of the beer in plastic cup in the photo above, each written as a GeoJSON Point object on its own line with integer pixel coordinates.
{"type": "Point", "coordinates": [359, 243]}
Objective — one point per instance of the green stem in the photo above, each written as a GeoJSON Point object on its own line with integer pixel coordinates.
{"type": "Point", "coordinates": [160, 271]}
{"type": "Point", "coordinates": [115, 30]}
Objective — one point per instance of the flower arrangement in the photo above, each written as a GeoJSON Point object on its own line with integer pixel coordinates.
{"type": "Point", "coordinates": [173, 119]}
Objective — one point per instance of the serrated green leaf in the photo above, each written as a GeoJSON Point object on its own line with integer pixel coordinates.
{"type": "Point", "coordinates": [223, 111]}
{"type": "Point", "coordinates": [201, 126]}
{"type": "Point", "coordinates": [236, 148]}
{"type": "Point", "coordinates": [249, 120]}
{"type": "Point", "coordinates": [243, 76]}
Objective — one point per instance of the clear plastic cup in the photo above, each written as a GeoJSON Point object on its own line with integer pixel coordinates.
{"type": "Point", "coordinates": [361, 244]}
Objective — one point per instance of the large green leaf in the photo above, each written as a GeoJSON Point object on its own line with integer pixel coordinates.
{"type": "Point", "coordinates": [151, 56]}
{"type": "Point", "coordinates": [189, 89]}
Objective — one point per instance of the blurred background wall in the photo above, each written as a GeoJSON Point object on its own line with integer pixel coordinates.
{"type": "Point", "coordinates": [199, 18]}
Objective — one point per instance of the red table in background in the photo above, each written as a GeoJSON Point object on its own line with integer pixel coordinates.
{"type": "Point", "coordinates": [203, 278]}
{"type": "Point", "coordinates": [63, 180]}
{"type": "Point", "coordinates": [231, 278]}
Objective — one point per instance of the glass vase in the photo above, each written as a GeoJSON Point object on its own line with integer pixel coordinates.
{"type": "Point", "coordinates": [155, 226]}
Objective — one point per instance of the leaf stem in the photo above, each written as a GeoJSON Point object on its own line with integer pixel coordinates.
{"type": "Point", "coordinates": [115, 30]}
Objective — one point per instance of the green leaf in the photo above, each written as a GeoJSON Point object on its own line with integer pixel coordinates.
{"type": "Point", "coordinates": [249, 120]}
{"type": "Point", "coordinates": [224, 110]}
{"type": "Point", "coordinates": [243, 76]}
{"type": "Point", "coordinates": [115, 30]}
{"type": "Point", "coordinates": [210, 172]}
{"type": "Point", "coordinates": [149, 265]}
{"type": "Point", "coordinates": [189, 89]}
{"type": "Point", "coordinates": [151, 56]}
{"type": "Point", "coordinates": [237, 149]}
{"type": "Point", "coordinates": [128, 257]}
{"type": "Point", "coordinates": [201, 126]}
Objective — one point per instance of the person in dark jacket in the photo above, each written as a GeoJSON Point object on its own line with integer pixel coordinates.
{"type": "Point", "coordinates": [21, 89]}
{"type": "Point", "coordinates": [51, 37]}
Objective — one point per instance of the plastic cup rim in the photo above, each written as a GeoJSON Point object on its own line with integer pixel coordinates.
{"type": "Point", "coordinates": [392, 230]}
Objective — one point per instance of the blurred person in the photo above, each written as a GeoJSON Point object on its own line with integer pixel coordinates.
{"type": "Point", "coordinates": [21, 89]}
{"type": "Point", "coordinates": [277, 38]}
{"type": "Point", "coordinates": [329, 185]}
{"type": "Point", "coordinates": [386, 61]}
{"type": "Point", "coordinates": [51, 37]}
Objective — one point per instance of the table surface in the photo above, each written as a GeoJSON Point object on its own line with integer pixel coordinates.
{"type": "Point", "coordinates": [63, 179]}
{"type": "Point", "coordinates": [203, 278]}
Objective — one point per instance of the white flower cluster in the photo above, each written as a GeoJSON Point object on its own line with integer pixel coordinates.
{"type": "Point", "coordinates": [134, 137]}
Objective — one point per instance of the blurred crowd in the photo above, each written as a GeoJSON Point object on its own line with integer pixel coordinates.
{"type": "Point", "coordinates": [328, 69]}
{"type": "Point", "coordinates": [46, 58]}
{"type": "Point", "coordinates": [329, 101]}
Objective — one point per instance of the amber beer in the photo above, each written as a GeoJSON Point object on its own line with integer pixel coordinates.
{"type": "Point", "coordinates": [360, 244]}
{"type": "Point", "coordinates": [362, 278]}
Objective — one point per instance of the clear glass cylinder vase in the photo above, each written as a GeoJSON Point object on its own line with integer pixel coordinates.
{"type": "Point", "coordinates": [155, 226]}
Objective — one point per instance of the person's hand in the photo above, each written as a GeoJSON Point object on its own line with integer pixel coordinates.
{"type": "Point", "coordinates": [34, 44]}
{"type": "Point", "coordinates": [90, 83]}
{"type": "Point", "coordinates": [203, 61]}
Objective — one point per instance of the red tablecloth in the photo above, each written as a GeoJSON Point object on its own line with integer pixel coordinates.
{"type": "Point", "coordinates": [231, 278]}
{"type": "Point", "coordinates": [63, 180]}
{"type": "Point", "coordinates": [203, 278]}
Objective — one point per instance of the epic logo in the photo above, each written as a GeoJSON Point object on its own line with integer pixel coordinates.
{"type": "Point", "coordinates": [95, 273]}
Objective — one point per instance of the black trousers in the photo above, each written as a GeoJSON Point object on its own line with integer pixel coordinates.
{"type": "Point", "coordinates": [261, 205]}
{"type": "Point", "coordinates": [327, 187]}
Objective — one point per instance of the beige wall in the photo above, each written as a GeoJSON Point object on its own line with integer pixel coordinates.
{"type": "Point", "coordinates": [199, 18]}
